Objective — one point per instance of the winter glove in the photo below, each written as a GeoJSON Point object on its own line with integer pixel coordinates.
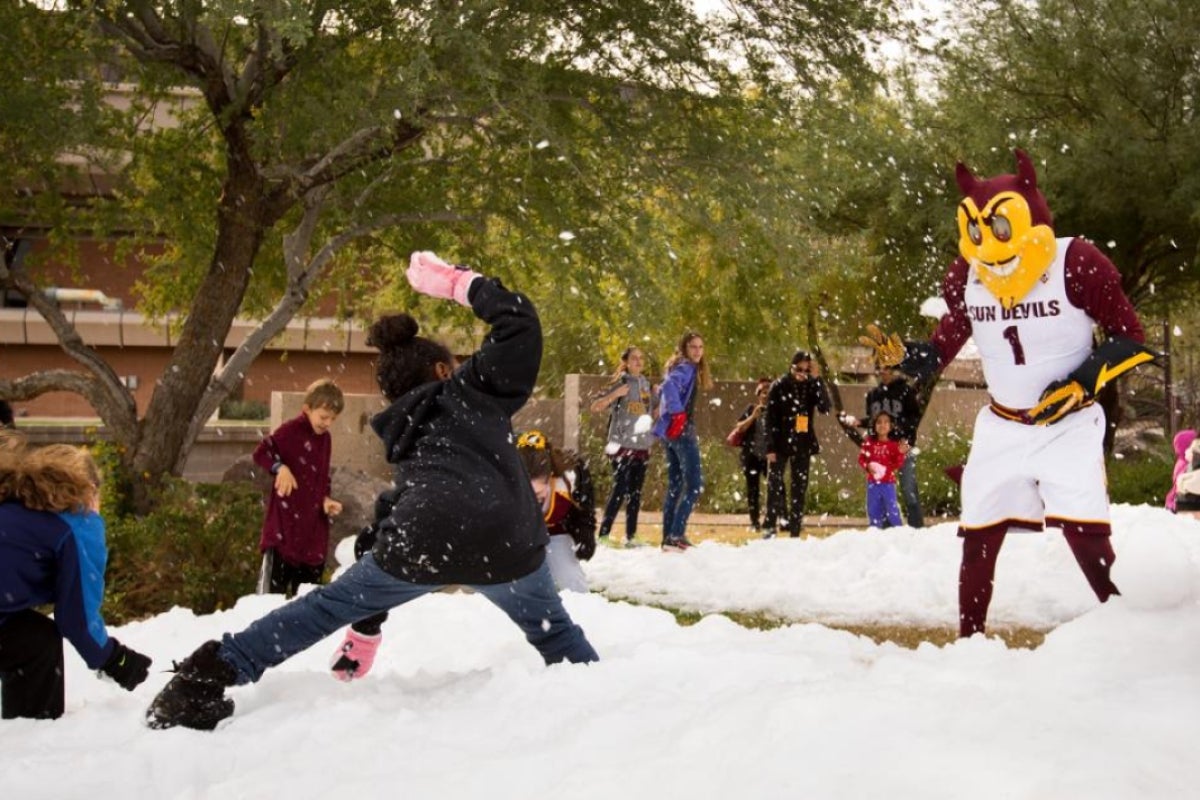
{"type": "Point", "coordinates": [356, 655]}
{"type": "Point", "coordinates": [876, 469]}
{"type": "Point", "coordinates": [1114, 357]}
{"type": "Point", "coordinates": [127, 667]}
{"type": "Point", "coordinates": [675, 429]}
{"type": "Point", "coordinates": [429, 275]}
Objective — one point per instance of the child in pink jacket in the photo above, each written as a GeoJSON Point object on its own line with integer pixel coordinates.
{"type": "Point", "coordinates": [1185, 447]}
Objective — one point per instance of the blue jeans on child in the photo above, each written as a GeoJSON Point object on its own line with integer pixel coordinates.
{"type": "Point", "coordinates": [366, 589]}
{"type": "Point", "coordinates": [684, 483]}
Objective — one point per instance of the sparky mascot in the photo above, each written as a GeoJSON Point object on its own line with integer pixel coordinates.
{"type": "Point", "coordinates": [1032, 302]}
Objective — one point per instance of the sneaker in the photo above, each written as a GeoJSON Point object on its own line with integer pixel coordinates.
{"type": "Point", "coordinates": [677, 544]}
{"type": "Point", "coordinates": [634, 543]}
{"type": "Point", "coordinates": [768, 533]}
{"type": "Point", "coordinates": [195, 697]}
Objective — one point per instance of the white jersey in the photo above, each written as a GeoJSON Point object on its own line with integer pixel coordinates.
{"type": "Point", "coordinates": [1038, 341]}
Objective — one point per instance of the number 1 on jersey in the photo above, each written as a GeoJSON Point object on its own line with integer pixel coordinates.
{"type": "Point", "coordinates": [1014, 341]}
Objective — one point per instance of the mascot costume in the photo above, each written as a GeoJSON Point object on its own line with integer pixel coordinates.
{"type": "Point", "coordinates": [1032, 302]}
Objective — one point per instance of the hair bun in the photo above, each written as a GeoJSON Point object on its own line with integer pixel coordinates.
{"type": "Point", "coordinates": [392, 331]}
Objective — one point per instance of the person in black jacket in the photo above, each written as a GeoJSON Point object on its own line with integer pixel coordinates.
{"type": "Point", "coordinates": [461, 510]}
{"type": "Point", "coordinates": [792, 403]}
{"type": "Point", "coordinates": [752, 424]}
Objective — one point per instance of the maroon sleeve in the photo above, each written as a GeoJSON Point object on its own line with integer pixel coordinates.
{"type": "Point", "coordinates": [954, 328]}
{"type": "Point", "coordinates": [266, 453]}
{"type": "Point", "coordinates": [328, 466]}
{"type": "Point", "coordinates": [282, 440]}
{"type": "Point", "coordinates": [1094, 285]}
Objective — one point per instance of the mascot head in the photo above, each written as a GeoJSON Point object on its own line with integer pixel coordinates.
{"type": "Point", "coordinates": [1005, 230]}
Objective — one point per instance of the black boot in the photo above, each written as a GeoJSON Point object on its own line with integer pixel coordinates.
{"type": "Point", "coordinates": [195, 697]}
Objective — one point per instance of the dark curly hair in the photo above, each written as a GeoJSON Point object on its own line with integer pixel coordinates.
{"type": "Point", "coordinates": [405, 359]}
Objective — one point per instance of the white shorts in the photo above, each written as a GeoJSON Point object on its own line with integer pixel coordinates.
{"type": "Point", "coordinates": [1020, 474]}
{"type": "Point", "coordinates": [564, 566]}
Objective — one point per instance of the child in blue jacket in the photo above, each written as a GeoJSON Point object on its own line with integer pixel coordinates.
{"type": "Point", "coordinates": [52, 552]}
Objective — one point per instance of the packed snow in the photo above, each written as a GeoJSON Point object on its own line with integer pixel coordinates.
{"type": "Point", "coordinates": [458, 706]}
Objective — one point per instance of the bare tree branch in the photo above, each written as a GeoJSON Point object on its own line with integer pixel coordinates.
{"type": "Point", "coordinates": [105, 391]}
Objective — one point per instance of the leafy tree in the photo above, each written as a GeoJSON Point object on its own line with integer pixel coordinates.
{"type": "Point", "coordinates": [316, 141]}
{"type": "Point", "coordinates": [1102, 93]}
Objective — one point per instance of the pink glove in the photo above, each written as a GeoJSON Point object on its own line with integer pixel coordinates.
{"type": "Point", "coordinates": [429, 275]}
{"type": "Point", "coordinates": [356, 655]}
{"type": "Point", "coordinates": [877, 470]}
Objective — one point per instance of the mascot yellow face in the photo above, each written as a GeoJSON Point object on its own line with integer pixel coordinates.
{"type": "Point", "coordinates": [1005, 230]}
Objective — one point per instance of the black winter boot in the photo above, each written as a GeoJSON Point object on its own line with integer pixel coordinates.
{"type": "Point", "coordinates": [195, 697]}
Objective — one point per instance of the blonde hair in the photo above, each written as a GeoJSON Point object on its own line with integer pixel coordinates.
{"type": "Point", "coordinates": [56, 477]}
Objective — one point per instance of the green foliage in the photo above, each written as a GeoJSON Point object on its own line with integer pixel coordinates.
{"type": "Point", "coordinates": [1101, 93]}
{"type": "Point", "coordinates": [245, 409]}
{"type": "Point", "coordinates": [197, 549]}
{"type": "Point", "coordinates": [115, 489]}
{"type": "Point", "coordinates": [1141, 477]}
{"type": "Point", "coordinates": [941, 448]}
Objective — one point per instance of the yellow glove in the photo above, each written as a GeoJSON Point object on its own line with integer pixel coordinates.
{"type": "Point", "coordinates": [889, 350]}
{"type": "Point", "coordinates": [1059, 399]}
{"type": "Point", "coordinates": [1116, 356]}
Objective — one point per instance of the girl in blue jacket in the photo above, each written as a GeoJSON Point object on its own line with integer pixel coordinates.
{"type": "Point", "coordinates": [687, 371]}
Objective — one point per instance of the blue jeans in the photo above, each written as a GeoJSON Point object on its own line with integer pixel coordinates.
{"type": "Point", "coordinates": [366, 589]}
{"type": "Point", "coordinates": [629, 475]}
{"type": "Point", "coordinates": [882, 509]}
{"type": "Point", "coordinates": [684, 483]}
{"type": "Point", "coordinates": [906, 479]}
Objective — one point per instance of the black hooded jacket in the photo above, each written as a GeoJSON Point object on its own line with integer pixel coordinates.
{"type": "Point", "coordinates": [462, 509]}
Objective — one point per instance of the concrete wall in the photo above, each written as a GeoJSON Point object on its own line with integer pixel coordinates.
{"type": "Point", "coordinates": [356, 447]}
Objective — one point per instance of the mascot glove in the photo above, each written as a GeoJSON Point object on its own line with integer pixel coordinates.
{"type": "Point", "coordinates": [877, 470]}
{"type": "Point", "coordinates": [887, 350]}
{"type": "Point", "coordinates": [432, 276]}
{"type": "Point", "coordinates": [1116, 356]}
{"type": "Point", "coordinates": [356, 655]}
{"type": "Point", "coordinates": [675, 429]}
{"type": "Point", "coordinates": [1059, 399]}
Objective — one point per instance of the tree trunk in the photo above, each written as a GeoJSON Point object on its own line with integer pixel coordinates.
{"type": "Point", "coordinates": [165, 429]}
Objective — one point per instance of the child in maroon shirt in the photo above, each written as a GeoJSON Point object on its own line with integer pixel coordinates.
{"type": "Point", "coordinates": [295, 531]}
{"type": "Point", "coordinates": [880, 457]}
